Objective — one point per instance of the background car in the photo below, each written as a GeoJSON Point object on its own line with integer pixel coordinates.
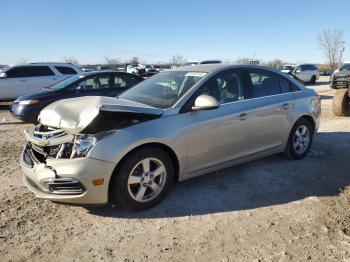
{"type": "Point", "coordinates": [340, 77]}
{"type": "Point", "coordinates": [150, 70]}
{"type": "Point", "coordinates": [19, 79]}
{"type": "Point", "coordinates": [203, 62]}
{"type": "Point", "coordinates": [287, 69]}
{"type": "Point", "coordinates": [101, 83]}
{"type": "Point", "coordinates": [306, 73]}
{"type": "Point", "coordinates": [136, 69]}
{"type": "Point", "coordinates": [326, 72]}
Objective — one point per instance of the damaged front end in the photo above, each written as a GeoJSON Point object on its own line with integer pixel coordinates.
{"type": "Point", "coordinates": [76, 139]}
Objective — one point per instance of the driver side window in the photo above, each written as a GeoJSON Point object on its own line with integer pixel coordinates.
{"type": "Point", "coordinates": [225, 87]}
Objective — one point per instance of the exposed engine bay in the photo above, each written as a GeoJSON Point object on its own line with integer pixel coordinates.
{"type": "Point", "coordinates": [55, 142]}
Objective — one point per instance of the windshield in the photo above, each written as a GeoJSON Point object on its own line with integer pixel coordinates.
{"type": "Point", "coordinates": [345, 67]}
{"type": "Point", "coordinates": [66, 82]}
{"type": "Point", "coordinates": [4, 68]}
{"type": "Point", "coordinates": [164, 89]}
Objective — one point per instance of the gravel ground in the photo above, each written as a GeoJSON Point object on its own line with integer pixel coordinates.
{"type": "Point", "coordinates": [267, 210]}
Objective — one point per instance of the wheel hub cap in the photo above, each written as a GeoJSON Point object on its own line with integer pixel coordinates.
{"type": "Point", "coordinates": [147, 180]}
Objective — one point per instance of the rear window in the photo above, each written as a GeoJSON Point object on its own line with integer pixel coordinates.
{"type": "Point", "coordinates": [34, 71]}
{"type": "Point", "coordinates": [308, 67]}
{"type": "Point", "coordinates": [66, 70]}
{"type": "Point", "coordinates": [264, 83]}
{"type": "Point", "coordinates": [287, 86]}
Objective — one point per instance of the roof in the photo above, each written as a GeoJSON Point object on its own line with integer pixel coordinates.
{"type": "Point", "coordinates": [208, 68]}
{"type": "Point", "coordinates": [202, 68]}
{"type": "Point", "coordinates": [102, 72]}
{"type": "Point", "coordinates": [44, 63]}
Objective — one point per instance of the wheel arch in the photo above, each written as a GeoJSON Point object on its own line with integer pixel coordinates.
{"type": "Point", "coordinates": [308, 118]}
{"type": "Point", "coordinates": [166, 148]}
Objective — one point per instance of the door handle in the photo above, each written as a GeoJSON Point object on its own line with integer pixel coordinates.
{"type": "Point", "coordinates": [243, 116]}
{"type": "Point", "coordinates": [55, 78]}
{"type": "Point", "coordinates": [286, 105]}
{"type": "Point", "coordinates": [23, 80]}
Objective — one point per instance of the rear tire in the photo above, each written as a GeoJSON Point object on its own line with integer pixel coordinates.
{"type": "Point", "coordinates": [300, 140]}
{"type": "Point", "coordinates": [313, 80]}
{"type": "Point", "coordinates": [341, 103]}
{"type": "Point", "coordinates": [136, 185]}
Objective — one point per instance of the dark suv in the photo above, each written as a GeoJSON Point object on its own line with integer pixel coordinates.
{"type": "Point", "coordinates": [341, 77]}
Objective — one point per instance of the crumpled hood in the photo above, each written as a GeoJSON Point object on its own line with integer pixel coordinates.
{"type": "Point", "coordinates": [75, 114]}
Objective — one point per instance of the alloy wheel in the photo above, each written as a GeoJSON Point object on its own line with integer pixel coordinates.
{"type": "Point", "coordinates": [147, 179]}
{"type": "Point", "coordinates": [301, 139]}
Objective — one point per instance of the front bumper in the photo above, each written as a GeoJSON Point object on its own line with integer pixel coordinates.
{"type": "Point", "coordinates": [67, 180]}
{"type": "Point", "coordinates": [339, 83]}
{"type": "Point", "coordinates": [26, 113]}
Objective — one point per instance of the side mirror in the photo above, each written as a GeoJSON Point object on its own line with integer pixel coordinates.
{"type": "Point", "coordinates": [3, 75]}
{"type": "Point", "coordinates": [298, 71]}
{"type": "Point", "coordinates": [205, 102]}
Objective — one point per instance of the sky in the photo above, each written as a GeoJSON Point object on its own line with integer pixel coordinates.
{"type": "Point", "coordinates": [154, 30]}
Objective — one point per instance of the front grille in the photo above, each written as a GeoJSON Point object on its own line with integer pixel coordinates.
{"type": "Point", "coordinates": [48, 142]}
{"type": "Point", "coordinates": [27, 159]}
{"type": "Point", "coordinates": [65, 186]}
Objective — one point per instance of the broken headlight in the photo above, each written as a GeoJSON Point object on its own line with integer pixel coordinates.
{"type": "Point", "coordinates": [84, 143]}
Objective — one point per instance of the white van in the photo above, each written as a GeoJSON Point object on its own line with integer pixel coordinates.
{"type": "Point", "coordinates": [19, 79]}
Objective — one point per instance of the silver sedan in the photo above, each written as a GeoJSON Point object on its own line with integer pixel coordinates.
{"type": "Point", "coordinates": [173, 126]}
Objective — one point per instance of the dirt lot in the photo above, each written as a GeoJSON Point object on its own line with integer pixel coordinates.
{"type": "Point", "coordinates": [267, 210]}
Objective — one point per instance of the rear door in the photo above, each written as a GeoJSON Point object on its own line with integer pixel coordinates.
{"type": "Point", "coordinates": [273, 108]}
{"type": "Point", "coordinates": [15, 84]}
{"type": "Point", "coordinates": [41, 76]}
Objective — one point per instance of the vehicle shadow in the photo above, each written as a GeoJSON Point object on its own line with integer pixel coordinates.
{"type": "Point", "coordinates": [262, 183]}
{"type": "Point", "coordinates": [5, 107]}
{"type": "Point", "coordinates": [321, 83]}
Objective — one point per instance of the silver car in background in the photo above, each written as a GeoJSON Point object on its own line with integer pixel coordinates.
{"type": "Point", "coordinates": [173, 126]}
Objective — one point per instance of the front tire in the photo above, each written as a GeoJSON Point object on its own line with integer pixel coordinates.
{"type": "Point", "coordinates": [313, 80]}
{"type": "Point", "coordinates": [300, 140]}
{"type": "Point", "coordinates": [142, 180]}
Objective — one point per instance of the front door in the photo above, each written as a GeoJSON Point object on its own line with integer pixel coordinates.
{"type": "Point", "coordinates": [16, 83]}
{"type": "Point", "coordinates": [220, 135]}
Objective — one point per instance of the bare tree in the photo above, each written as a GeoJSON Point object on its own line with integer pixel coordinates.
{"type": "Point", "coordinates": [111, 61]}
{"type": "Point", "coordinates": [135, 60]}
{"type": "Point", "coordinates": [276, 63]}
{"type": "Point", "coordinates": [71, 60]}
{"type": "Point", "coordinates": [333, 46]}
{"type": "Point", "coordinates": [243, 60]}
{"type": "Point", "coordinates": [177, 60]}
